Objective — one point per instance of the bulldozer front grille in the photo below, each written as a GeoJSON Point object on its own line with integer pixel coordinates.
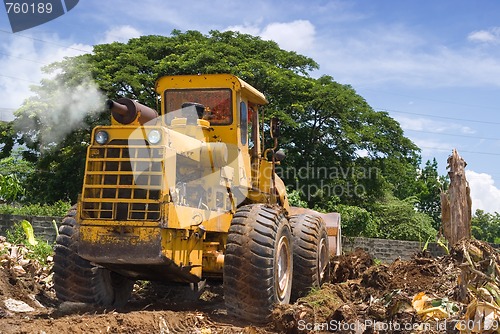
{"type": "Point", "coordinates": [123, 182]}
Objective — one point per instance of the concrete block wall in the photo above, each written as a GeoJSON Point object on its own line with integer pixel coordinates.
{"type": "Point", "coordinates": [382, 249]}
{"type": "Point", "coordinates": [42, 226]}
{"type": "Point", "coordinates": [387, 250]}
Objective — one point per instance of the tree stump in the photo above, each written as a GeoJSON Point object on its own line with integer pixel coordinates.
{"type": "Point", "coordinates": [456, 203]}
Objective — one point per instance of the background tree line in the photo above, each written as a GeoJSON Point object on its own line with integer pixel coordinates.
{"type": "Point", "coordinates": [325, 124]}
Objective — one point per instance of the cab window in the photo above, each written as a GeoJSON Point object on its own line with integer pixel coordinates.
{"type": "Point", "coordinates": [243, 122]}
{"type": "Point", "coordinates": [216, 102]}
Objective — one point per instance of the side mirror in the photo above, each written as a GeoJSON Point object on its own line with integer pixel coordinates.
{"type": "Point", "coordinates": [275, 128]}
{"type": "Point", "coordinates": [279, 155]}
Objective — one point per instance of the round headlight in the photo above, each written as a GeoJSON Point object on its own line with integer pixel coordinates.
{"type": "Point", "coordinates": [101, 137]}
{"type": "Point", "coordinates": [154, 136]}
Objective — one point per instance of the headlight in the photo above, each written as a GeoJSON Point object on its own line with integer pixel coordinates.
{"type": "Point", "coordinates": [101, 137]}
{"type": "Point", "coordinates": [154, 136]}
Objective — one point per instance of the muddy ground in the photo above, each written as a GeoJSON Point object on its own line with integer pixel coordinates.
{"type": "Point", "coordinates": [362, 297]}
{"type": "Point", "coordinates": [153, 308]}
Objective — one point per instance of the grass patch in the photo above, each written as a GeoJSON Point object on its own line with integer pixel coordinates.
{"type": "Point", "coordinates": [323, 301]}
{"type": "Point", "coordinates": [58, 209]}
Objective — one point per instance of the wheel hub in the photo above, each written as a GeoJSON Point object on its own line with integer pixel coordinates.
{"type": "Point", "coordinates": [283, 272]}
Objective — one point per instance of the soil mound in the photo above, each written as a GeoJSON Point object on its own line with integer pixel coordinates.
{"type": "Point", "coordinates": [422, 295]}
{"type": "Point", "coordinates": [451, 294]}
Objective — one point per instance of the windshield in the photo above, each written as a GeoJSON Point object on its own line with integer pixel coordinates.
{"type": "Point", "coordinates": [216, 103]}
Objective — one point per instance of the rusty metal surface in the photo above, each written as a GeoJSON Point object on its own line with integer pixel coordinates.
{"type": "Point", "coordinates": [121, 249]}
{"type": "Point", "coordinates": [126, 111]}
{"type": "Point", "coordinates": [135, 259]}
{"type": "Point", "coordinates": [117, 108]}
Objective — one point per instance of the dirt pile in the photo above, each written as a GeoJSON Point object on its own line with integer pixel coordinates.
{"type": "Point", "coordinates": [455, 293]}
{"type": "Point", "coordinates": [450, 294]}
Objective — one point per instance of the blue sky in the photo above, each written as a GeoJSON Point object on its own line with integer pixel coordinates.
{"type": "Point", "coordinates": [433, 65]}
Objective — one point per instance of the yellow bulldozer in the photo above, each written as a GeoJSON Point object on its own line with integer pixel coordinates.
{"type": "Point", "coordinates": [189, 194]}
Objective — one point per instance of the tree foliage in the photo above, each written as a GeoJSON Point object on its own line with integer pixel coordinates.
{"type": "Point", "coordinates": [398, 219]}
{"type": "Point", "coordinates": [429, 186]}
{"type": "Point", "coordinates": [13, 173]}
{"type": "Point", "coordinates": [347, 149]}
{"type": "Point", "coordinates": [7, 139]}
{"type": "Point", "coordinates": [357, 222]}
{"type": "Point", "coordinates": [10, 188]}
{"type": "Point", "coordinates": [351, 155]}
{"type": "Point", "coordinates": [486, 226]}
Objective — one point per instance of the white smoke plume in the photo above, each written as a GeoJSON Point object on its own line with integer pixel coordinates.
{"type": "Point", "coordinates": [70, 107]}
{"type": "Point", "coordinates": [46, 113]}
{"type": "Point", "coordinates": [60, 110]}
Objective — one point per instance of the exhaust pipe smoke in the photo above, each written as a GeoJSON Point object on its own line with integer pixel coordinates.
{"type": "Point", "coordinates": [127, 111]}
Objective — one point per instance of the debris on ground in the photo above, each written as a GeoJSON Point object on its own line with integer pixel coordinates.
{"type": "Point", "coordinates": [350, 267]}
{"type": "Point", "coordinates": [25, 283]}
{"type": "Point", "coordinates": [479, 285]}
{"type": "Point", "coordinates": [422, 295]}
{"type": "Point", "coordinates": [456, 293]}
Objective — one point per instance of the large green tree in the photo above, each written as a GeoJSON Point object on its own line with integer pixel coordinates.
{"type": "Point", "coordinates": [130, 70]}
{"type": "Point", "coordinates": [338, 146]}
{"type": "Point", "coordinates": [339, 150]}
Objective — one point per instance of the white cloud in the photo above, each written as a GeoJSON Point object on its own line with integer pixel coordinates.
{"type": "Point", "coordinates": [429, 125]}
{"type": "Point", "coordinates": [485, 36]}
{"type": "Point", "coordinates": [249, 29]}
{"type": "Point", "coordinates": [120, 34]}
{"type": "Point", "coordinates": [296, 36]}
{"type": "Point", "coordinates": [392, 54]}
{"type": "Point", "coordinates": [431, 146]}
{"type": "Point", "coordinates": [21, 66]}
{"type": "Point", "coordinates": [484, 194]}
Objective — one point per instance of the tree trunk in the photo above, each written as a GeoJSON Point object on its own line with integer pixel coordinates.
{"type": "Point", "coordinates": [456, 202]}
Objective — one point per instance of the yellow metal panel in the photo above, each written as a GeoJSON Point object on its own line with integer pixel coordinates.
{"type": "Point", "coordinates": [281, 188]}
{"type": "Point", "coordinates": [97, 222]}
{"type": "Point", "coordinates": [210, 81]}
{"type": "Point", "coordinates": [265, 176]}
{"type": "Point", "coordinates": [184, 217]}
{"type": "Point", "coordinates": [184, 248]}
{"type": "Point", "coordinates": [116, 234]}
{"type": "Point", "coordinates": [240, 90]}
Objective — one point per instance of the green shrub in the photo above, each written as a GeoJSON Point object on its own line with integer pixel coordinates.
{"type": "Point", "coordinates": [399, 220]}
{"type": "Point", "coordinates": [10, 188]}
{"type": "Point", "coordinates": [15, 235]}
{"type": "Point", "coordinates": [294, 199]}
{"type": "Point", "coordinates": [58, 209]}
{"type": "Point", "coordinates": [39, 252]}
{"type": "Point", "coordinates": [356, 221]}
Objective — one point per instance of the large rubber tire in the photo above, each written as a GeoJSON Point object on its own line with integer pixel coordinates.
{"type": "Point", "coordinates": [311, 258]}
{"type": "Point", "coordinates": [258, 263]}
{"type": "Point", "coordinates": [78, 280]}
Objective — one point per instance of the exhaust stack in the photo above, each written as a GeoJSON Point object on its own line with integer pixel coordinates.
{"type": "Point", "coordinates": [127, 111]}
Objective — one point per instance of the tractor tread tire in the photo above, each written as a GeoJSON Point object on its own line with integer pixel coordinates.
{"type": "Point", "coordinates": [78, 280]}
{"type": "Point", "coordinates": [308, 231]}
{"type": "Point", "coordinates": [249, 274]}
